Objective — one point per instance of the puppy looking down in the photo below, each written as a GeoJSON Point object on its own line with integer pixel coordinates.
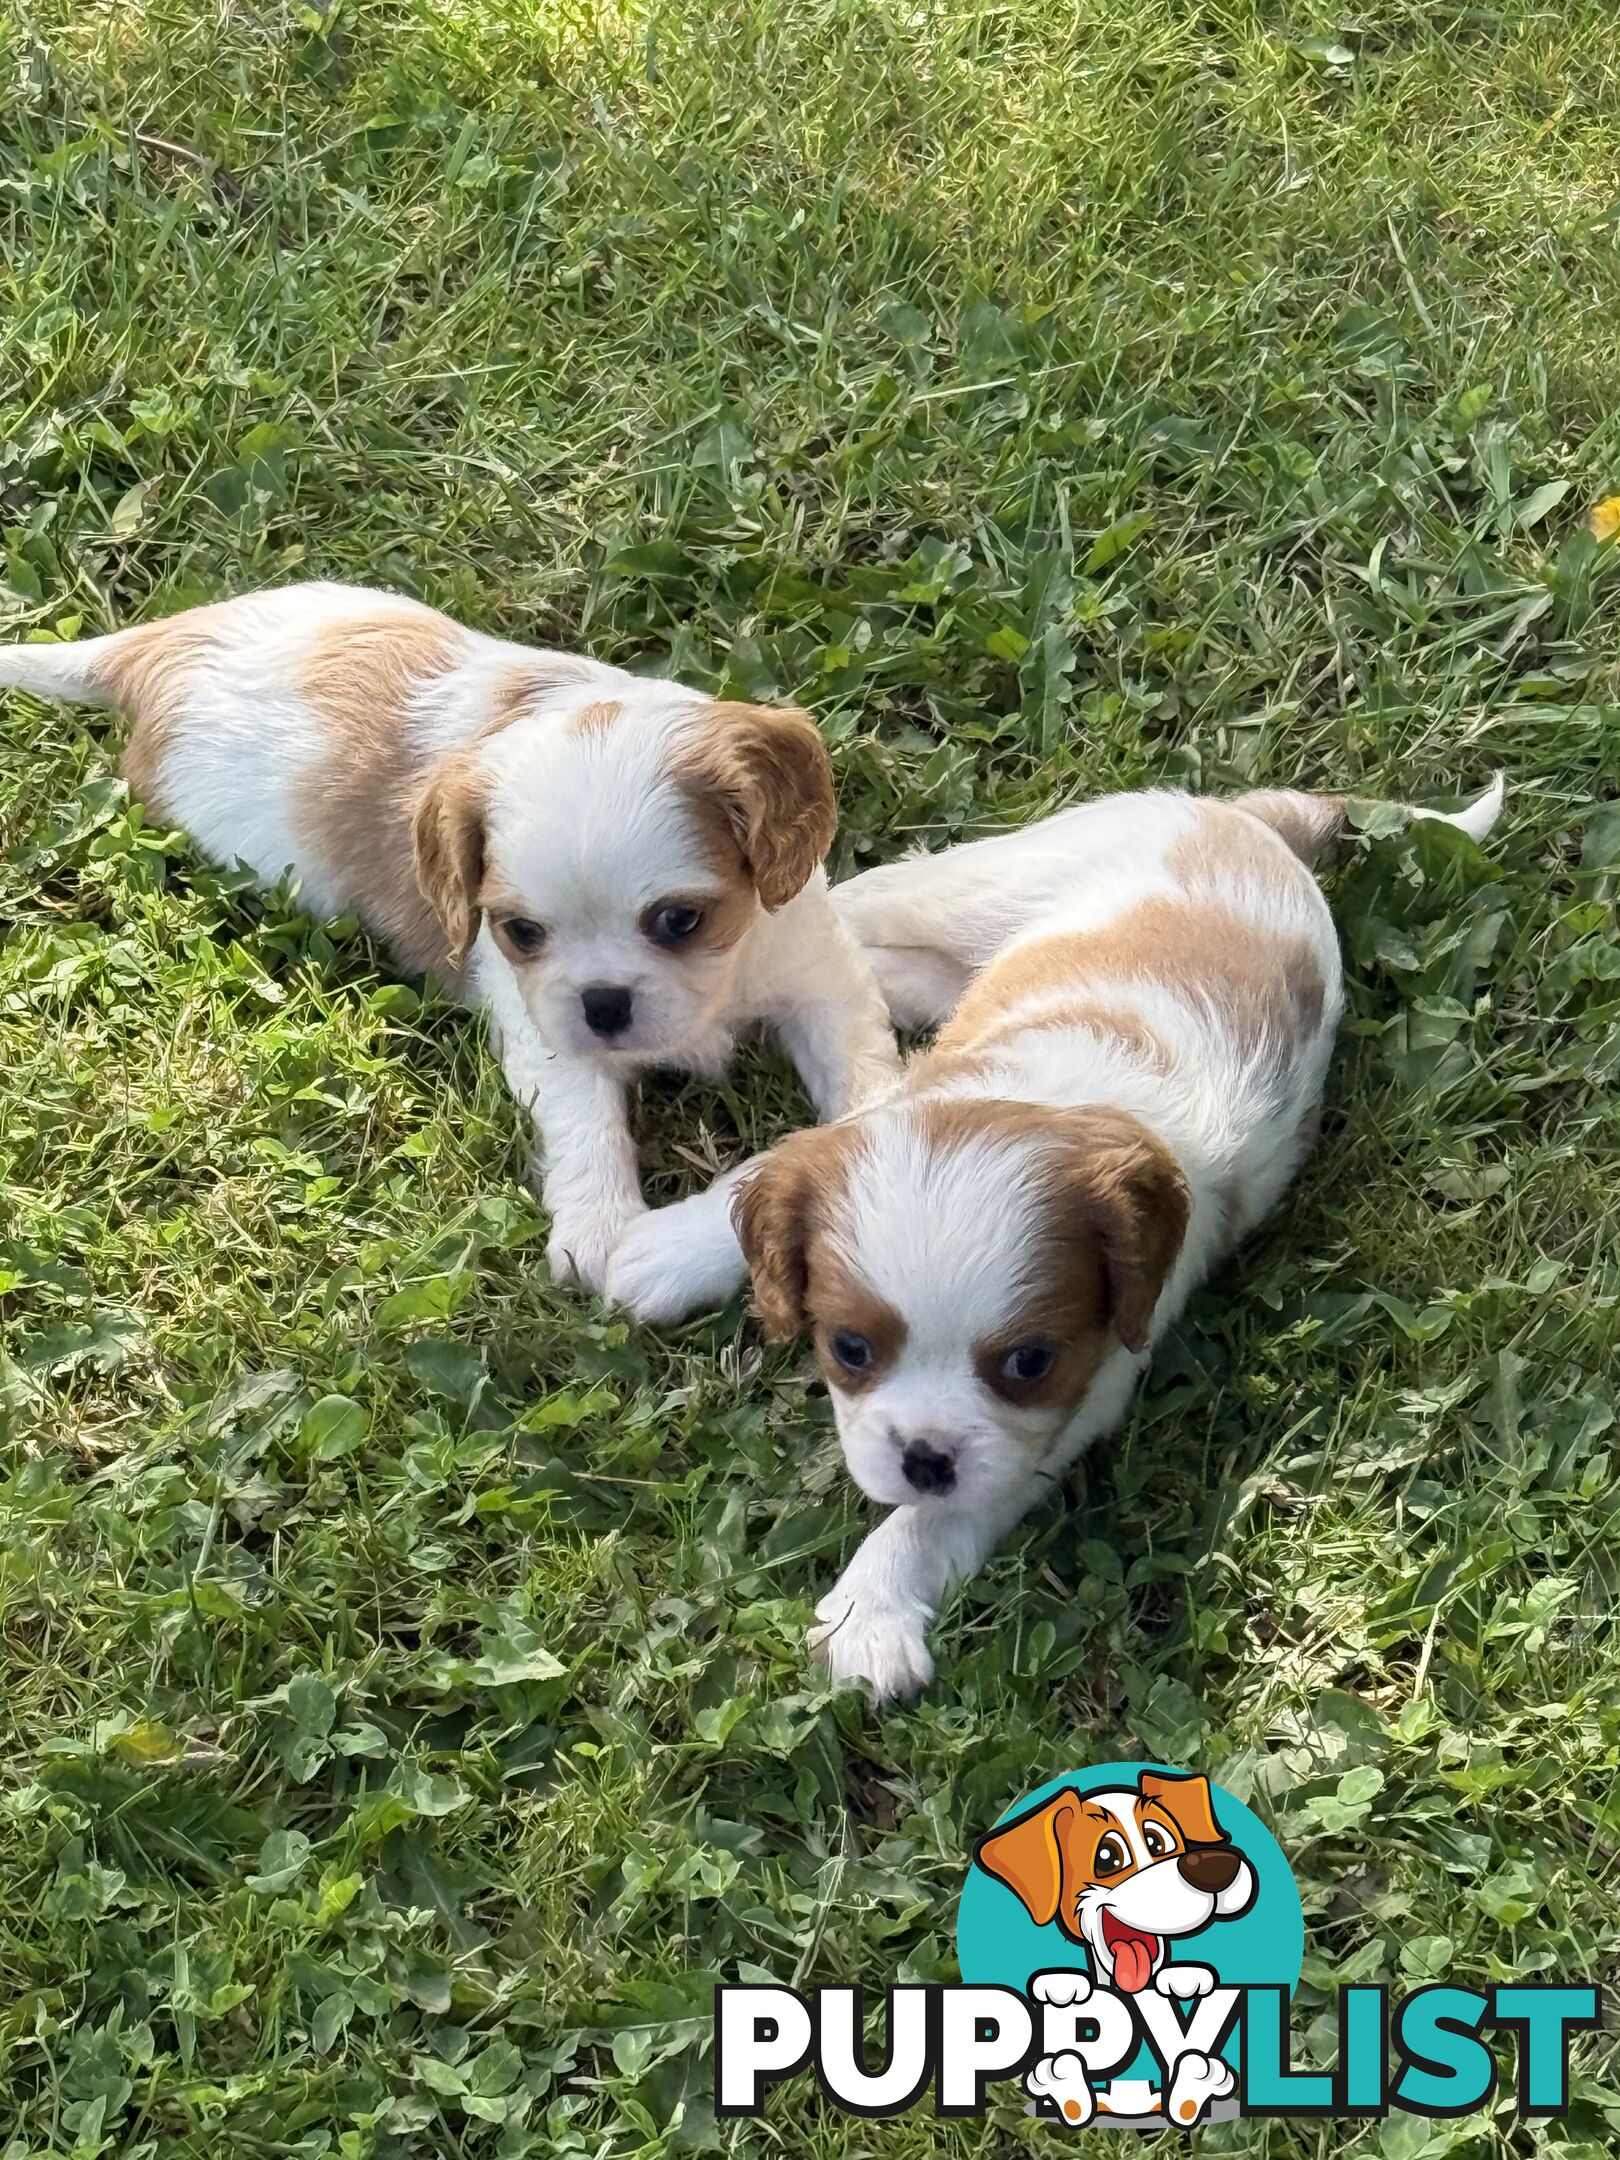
{"type": "Point", "coordinates": [625, 871]}
{"type": "Point", "coordinates": [1145, 993]}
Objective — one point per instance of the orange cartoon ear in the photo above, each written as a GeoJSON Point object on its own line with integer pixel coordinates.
{"type": "Point", "coordinates": [1186, 1800]}
{"type": "Point", "coordinates": [1027, 1855]}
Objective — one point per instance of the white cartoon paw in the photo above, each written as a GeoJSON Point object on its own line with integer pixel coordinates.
{"type": "Point", "coordinates": [883, 1644]}
{"type": "Point", "coordinates": [1062, 2080]}
{"type": "Point", "coordinates": [1065, 1989]}
{"type": "Point", "coordinates": [1185, 1982]}
{"type": "Point", "coordinates": [1199, 2079]}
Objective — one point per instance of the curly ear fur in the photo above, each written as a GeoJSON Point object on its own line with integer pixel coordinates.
{"type": "Point", "coordinates": [777, 1210]}
{"type": "Point", "coordinates": [1128, 1188]}
{"type": "Point", "coordinates": [768, 771]}
{"type": "Point", "coordinates": [447, 834]}
{"type": "Point", "coordinates": [770, 1213]}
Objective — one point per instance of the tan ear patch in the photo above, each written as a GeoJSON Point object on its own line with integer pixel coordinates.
{"type": "Point", "coordinates": [777, 1212]}
{"type": "Point", "coordinates": [1119, 1182]}
{"type": "Point", "coordinates": [1027, 1855]}
{"type": "Point", "coordinates": [447, 836]}
{"type": "Point", "coordinates": [768, 771]}
{"type": "Point", "coordinates": [1188, 1803]}
{"type": "Point", "coordinates": [770, 1213]}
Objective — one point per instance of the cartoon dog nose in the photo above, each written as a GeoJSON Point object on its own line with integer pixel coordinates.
{"type": "Point", "coordinates": [607, 1008]}
{"type": "Point", "coordinates": [927, 1469]}
{"type": "Point", "coordinates": [1210, 1868]}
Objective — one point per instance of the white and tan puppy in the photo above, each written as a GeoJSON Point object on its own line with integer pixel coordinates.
{"type": "Point", "coordinates": [625, 871]}
{"type": "Point", "coordinates": [1145, 992]}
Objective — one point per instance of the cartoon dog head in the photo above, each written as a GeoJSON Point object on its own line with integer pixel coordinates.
{"type": "Point", "coordinates": [1123, 1871]}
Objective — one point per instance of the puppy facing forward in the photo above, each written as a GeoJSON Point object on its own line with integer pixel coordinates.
{"type": "Point", "coordinates": [1145, 991]}
{"type": "Point", "coordinates": [625, 871]}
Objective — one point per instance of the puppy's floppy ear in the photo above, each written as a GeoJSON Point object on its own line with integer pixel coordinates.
{"type": "Point", "coordinates": [768, 771]}
{"type": "Point", "coordinates": [447, 834]}
{"type": "Point", "coordinates": [1027, 1855]}
{"type": "Point", "coordinates": [771, 1213]}
{"type": "Point", "coordinates": [1129, 1190]}
{"type": "Point", "coordinates": [1188, 1803]}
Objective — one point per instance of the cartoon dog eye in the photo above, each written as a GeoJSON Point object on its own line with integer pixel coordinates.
{"type": "Point", "coordinates": [1157, 1839]}
{"type": "Point", "coordinates": [1112, 1855]}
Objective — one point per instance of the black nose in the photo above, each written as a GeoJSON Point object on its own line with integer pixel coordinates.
{"type": "Point", "coordinates": [1211, 1868]}
{"type": "Point", "coordinates": [607, 1011]}
{"type": "Point", "coordinates": [926, 1469]}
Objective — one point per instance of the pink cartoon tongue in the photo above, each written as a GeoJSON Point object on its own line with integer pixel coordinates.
{"type": "Point", "coordinates": [1133, 1955]}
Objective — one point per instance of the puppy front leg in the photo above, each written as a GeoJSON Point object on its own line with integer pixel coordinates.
{"type": "Point", "coordinates": [844, 1051]}
{"type": "Point", "coordinates": [674, 1259]}
{"type": "Point", "coordinates": [584, 1152]}
{"type": "Point", "coordinates": [875, 1618]}
{"type": "Point", "coordinates": [813, 986]}
{"type": "Point", "coordinates": [589, 1181]}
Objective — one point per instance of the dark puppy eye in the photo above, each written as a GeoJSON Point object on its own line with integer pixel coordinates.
{"type": "Point", "coordinates": [522, 935]}
{"type": "Point", "coordinates": [1028, 1362]}
{"type": "Point", "coordinates": [1158, 1841]}
{"type": "Point", "coordinates": [674, 923]}
{"type": "Point", "coordinates": [1111, 1856]}
{"type": "Point", "coordinates": [852, 1350]}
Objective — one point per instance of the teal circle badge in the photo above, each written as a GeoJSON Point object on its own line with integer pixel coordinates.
{"type": "Point", "coordinates": [1153, 1883]}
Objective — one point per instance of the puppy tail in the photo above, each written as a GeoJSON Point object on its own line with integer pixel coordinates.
{"type": "Point", "coordinates": [76, 673]}
{"type": "Point", "coordinates": [1310, 822]}
{"type": "Point", "coordinates": [1475, 818]}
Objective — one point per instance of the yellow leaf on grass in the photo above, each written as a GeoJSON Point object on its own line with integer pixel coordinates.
{"type": "Point", "coordinates": [1605, 519]}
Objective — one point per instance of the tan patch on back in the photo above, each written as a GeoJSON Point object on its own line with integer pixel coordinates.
{"type": "Point", "coordinates": [1223, 847]}
{"type": "Point", "coordinates": [1125, 1031]}
{"type": "Point", "coordinates": [945, 1063]}
{"type": "Point", "coordinates": [531, 681]}
{"type": "Point", "coordinates": [596, 718]}
{"type": "Point", "coordinates": [1266, 985]}
{"type": "Point", "coordinates": [356, 803]}
{"type": "Point", "coordinates": [145, 675]}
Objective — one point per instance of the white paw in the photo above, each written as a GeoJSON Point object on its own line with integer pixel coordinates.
{"type": "Point", "coordinates": [1199, 2079]}
{"type": "Point", "coordinates": [582, 1245]}
{"type": "Point", "coordinates": [1062, 2080]}
{"type": "Point", "coordinates": [662, 1269]}
{"type": "Point", "coordinates": [1186, 1982]}
{"type": "Point", "coordinates": [642, 1276]}
{"type": "Point", "coordinates": [884, 1645]}
{"type": "Point", "coordinates": [1064, 1988]}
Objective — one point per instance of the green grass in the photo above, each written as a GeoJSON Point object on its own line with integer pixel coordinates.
{"type": "Point", "coordinates": [402, 1660]}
